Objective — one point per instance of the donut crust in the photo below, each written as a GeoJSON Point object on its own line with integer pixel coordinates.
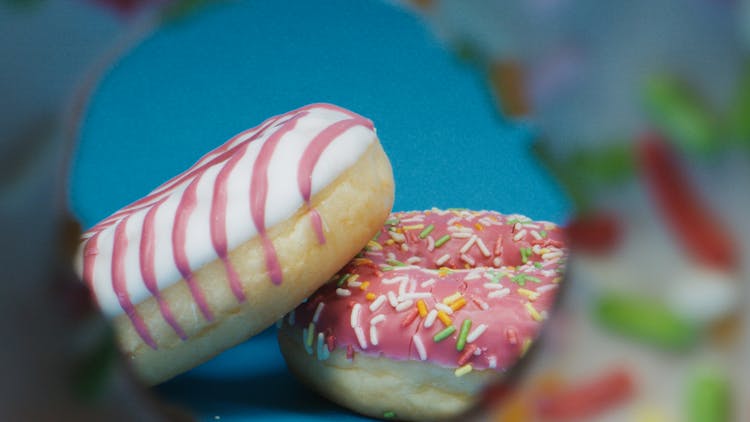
{"type": "Point", "coordinates": [352, 208]}
{"type": "Point", "coordinates": [373, 386]}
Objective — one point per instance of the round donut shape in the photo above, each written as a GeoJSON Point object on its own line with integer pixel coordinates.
{"type": "Point", "coordinates": [221, 251]}
{"type": "Point", "coordinates": [437, 305]}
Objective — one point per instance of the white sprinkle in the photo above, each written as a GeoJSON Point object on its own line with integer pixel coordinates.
{"type": "Point", "coordinates": [499, 293]}
{"type": "Point", "coordinates": [452, 220]}
{"type": "Point", "coordinates": [546, 288]}
{"type": "Point", "coordinates": [518, 236]}
{"type": "Point", "coordinates": [477, 351]}
{"type": "Point", "coordinates": [291, 318]}
{"type": "Point", "coordinates": [373, 335]}
{"type": "Point", "coordinates": [355, 315]}
{"type": "Point", "coordinates": [420, 347]}
{"type": "Point", "coordinates": [492, 362]}
{"type": "Point", "coordinates": [377, 303]}
{"type": "Point", "coordinates": [467, 259]}
{"type": "Point", "coordinates": [552, 255]}
{"type": "Point", "coordinates": [413, 260]}
{"type": "Point", "coordinates": [377, 319]}
{"type": "Point", "coordinates": [443, 259]}
{"type": "Point", "coordinates": [482, 304]}
{"type": "Point", "coordinates": [493, 286]}
{"type": "Point", "coordinates": [443, 307]}
{"type": "Point", "coordinates": [475, 333]}
{"type": "Point", "coordinates": [318, 310]}
{"type": "Point", "coordinates": [473, 275]}
{"type": "Point", "coordinates": [461, 235]}
{"type": "Point", "coordinates": [343, 292]}
{"type": "Point", "coordinates": [416, 219]}
{"type": "Point", "coordinates": [404, 247]}
{"type": "Point", "coordinates": [496, 262]}
{"type": "Point", "coordinates": [536, 249]}
{"type": "Point", "coordinates": [468, 244]}
{"type": "Point", "coordinates": [402, 289]}
{"type": "Point", "coordinates": [536, 235]}
{"type": "Point", "coordinates": [517, 227]}
{"type": "Point", "coordinates": [354, 284]}
{"type": "Point", "coordinates": [397, 237]}
{"type": "Point", "coordinates": [394, 280]}
{"type": "Point", "coordinates": [392, 299]}
{"type": "Point", "coordinates": [483, 248]}
{"type": "Point", "coordinates": [415, 295]}
{"type": "Point", "coordinates": [427, 283]}
{"type": "Point", "coordinates": [391, 256]}
{"type": "Point", "coordinates": [430, 318]}
{"type": "Point", "coordinates": [430, 244]}
{"type": "Point", "coordinates": [360, 333]}
{"type": "Point", "coordinates": [404, 305]}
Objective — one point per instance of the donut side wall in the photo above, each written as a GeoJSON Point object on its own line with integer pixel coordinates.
{"type": "Point", "coordinates": [352, 209]}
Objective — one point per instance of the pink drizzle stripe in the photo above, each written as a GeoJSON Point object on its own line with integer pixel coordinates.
{"type": "Point", "coordinates": [119, 284]}
{"type": "Point", "coordinates": [310, 158]}
{"type": "Point", "coordinates": [179, 233]}
{"type": "Point", "coordinates": [219, 221]}
{"type": "Point", "coordinates": [148, 273]}
{"type": "Point", "coordinates": [259, 193]}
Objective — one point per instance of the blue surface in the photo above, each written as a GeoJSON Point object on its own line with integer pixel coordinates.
{"type": "Point", "coordinates": [195, 83]}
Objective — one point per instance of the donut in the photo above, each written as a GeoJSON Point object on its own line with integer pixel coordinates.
{"type": "Point", "coordinates": [224, 249]}
{"type": "Point", "coordinates": [437, 305]}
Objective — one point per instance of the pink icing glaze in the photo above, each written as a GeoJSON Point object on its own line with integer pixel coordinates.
{"type": "Point", "coordinates": [517, 288]}
{"type": "Point", "coordinates": [227, 157]}
{"type": "Point", "coordinates": [118, 283]}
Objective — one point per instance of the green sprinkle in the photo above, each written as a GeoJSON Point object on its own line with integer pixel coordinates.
{"type": "Point", "coordinates": [392, 221]}
{"type": "Point", "coordinates": [533, 279]}
{"type": "Point", "coordinates": [440, 242]}
{"type": "Point", "coordinates": [519, 279]}
{"type": "Point", "coordinates": [389, 414]}
{"type": "Point", "coordinates": [427, 230]}
{"type": "Point", "coordinates": [496, 276]}
{"type": "Point", "coordinates": [395, 263]}
{"type": "Point", "coordinates": [538, 265]}
{"type": "Point", "coordinates": [709, 397]}
{"type": "Point", "coordinates": [525, 253]}
{"type": "Point", "coordinates": [310, 334]}
{"type": "Point", "coordinates": [543, 233]}
{"type": "Point", "coordinates": [386, 268]}
{"type": "Point", "coordinates": [342, 280]}
{"type": "Point", "coordinates": [377, 236]}
{"type": "Point", "coordinates": [512, 221]}
{"type": "Point", "coordinates": [645, 319]}
{"type": "Point", "coordinates": [444, 334]}
{"type": "Point", "coordinates": [465, 327]}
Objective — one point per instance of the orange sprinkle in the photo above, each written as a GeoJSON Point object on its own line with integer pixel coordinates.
{"type": "Point", "coordinates": [458, 304]}
{"type": "Point", "coordinates": [362, 261]}
{"type": "Point", "coordinates": [444, 318]}
{"type": "Point", "coordinates": [370, 296]}
{"type": "Point", "coordinates": [422, 308]}
{"type": "Point", "coordinates": [364, 285]}
{"type": "Point", "coordinates": [444, 271]}
{"type": "Point", "coordinates": [479, 227]}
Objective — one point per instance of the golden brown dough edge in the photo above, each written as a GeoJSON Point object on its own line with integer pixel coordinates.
{"type": "Point", "coordinates": [353, 208]}
{"type": "Point", "coordinates": [372, 386]}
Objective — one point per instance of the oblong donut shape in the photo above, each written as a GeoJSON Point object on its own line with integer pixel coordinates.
{"type": "Point", "coordinates": [439, 304]}
{"type": "Point", "coordinates": [236, 293]}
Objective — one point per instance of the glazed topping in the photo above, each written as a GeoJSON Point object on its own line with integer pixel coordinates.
{"type": "Point", "coordinates": [257, 179]}
{"type": "Point", "coordinates": [461, 289]}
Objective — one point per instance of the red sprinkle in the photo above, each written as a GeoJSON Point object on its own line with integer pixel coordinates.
{"type": "Point", "coordinates": [467, 354]}
{"type": "Point", "coordinates": [498, 246]}
{"type": "Point", "coordinates": [588, 399]}
{"type": "Point", "coordinates": [410, 318]}
{"type": "Point", "coordinates": [349, 352]}
{"type": "Point", "coordinates": [331, 342]}
{"type": "Point", "coordinates": [512, 335]}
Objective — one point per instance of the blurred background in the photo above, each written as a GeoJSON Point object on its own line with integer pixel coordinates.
{"type": "Point", "coordinates": [634, 118]}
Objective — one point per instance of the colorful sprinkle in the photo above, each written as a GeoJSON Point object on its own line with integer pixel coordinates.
{"type": "Point", "coordinates": [444, 334]}
{"type": "Point", "coordinates": [419, 345]}
{"type": "Point", "coordinates": [535, 315]}
{"type": "Point", "coordinates": [343, 279]}
{"type": "Point", "coordinates": [431, 316]}
{"type": "Point", "coordinates": [440, 242]}
{"type": "Point", "coordinates": [370, 296]}
{"type": "Point", "coordinates": [444, 318]}
{"type": "Point", "coordinates": [463, 333]}
{"type": "Point", "coordinates": [426, 232]}
{"type": "Point", "coordinates": [452, 298]}
{"type": "Point", "coordinates": [463, 370]}
{"type": "Point", "coordinates": [458, 304]}
{"type": "Point", "coordinates": [422, 308]}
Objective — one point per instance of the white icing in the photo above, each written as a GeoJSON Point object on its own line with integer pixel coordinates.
{"type": "Point", "coordinates": [283, 200]}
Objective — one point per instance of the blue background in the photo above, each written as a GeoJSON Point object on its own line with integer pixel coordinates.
{"type": "Point", "coordinates": [199, 80]}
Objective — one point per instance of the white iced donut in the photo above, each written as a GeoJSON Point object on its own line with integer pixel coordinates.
{"type": "Point", "coordinates": [221, 251]}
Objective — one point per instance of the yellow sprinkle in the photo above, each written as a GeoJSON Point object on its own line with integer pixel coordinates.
{"type": "Point", "coordinates": [452, 298]}
{"type": "Point", "coordinates": [444, 318]}
{"type": "Point", "coordinates": [543, 251]}
{"type": "Point", "coordinates": [526, 346]}
{"type": "Point", "coordinates": [374, 245]}
{"type": "Point", "coordinates": [532, 296]}
{"type": "Point", "coordinates": [370, 296]}
{"type": "Point", "coordinates": [362, 261]}
{"type": "Point", "coordinates": [533, 312]}
{"type": "Point", "coordinates": [422, 308]}
{"type": "Point", "coordinates": [557, 280]}
{"type": "Point", "coordinates": [364, 285]}
{"type": "Point", "coordinates": [389, 242]}
{"type": "Point", "coordinates": [458, 304]}
{"type": "Point", "coordinates": [444, 271]}
{"type": "Point", "coordinates": [463, 370]}
{"type": "Point", "coordinates": [479, 227]}
{"type": "Point", "coordinates": [414, 227]}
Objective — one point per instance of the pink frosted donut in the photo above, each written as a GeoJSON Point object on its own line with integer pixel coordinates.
{"type": "Point", "coordinates": [437, 304]}
{"type": "Point", "coordinates": [219, 252]}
